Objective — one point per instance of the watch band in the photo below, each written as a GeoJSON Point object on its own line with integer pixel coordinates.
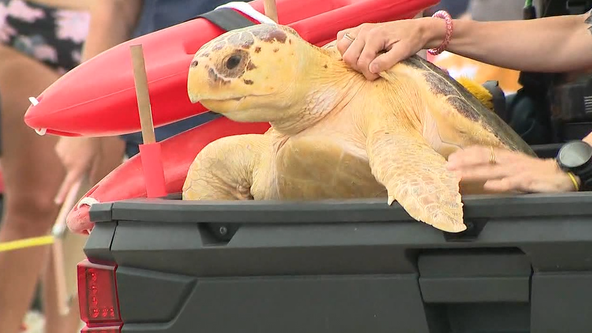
{"type": "Point", "coordinates": [585, 175]}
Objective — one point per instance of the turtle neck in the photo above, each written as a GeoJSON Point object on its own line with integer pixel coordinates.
{"type": "Point", "coordinates": [329, 90]}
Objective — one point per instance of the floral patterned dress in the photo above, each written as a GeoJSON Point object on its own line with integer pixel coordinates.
{"type": "Point", "coordinates": [53, 36]}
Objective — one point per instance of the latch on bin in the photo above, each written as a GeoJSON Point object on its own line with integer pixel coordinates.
{"type": "Point", "coordinates": [476, 275]}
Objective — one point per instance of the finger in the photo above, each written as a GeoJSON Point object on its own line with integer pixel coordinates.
{"type": "Point", "coordinates": [532, 175]}
{"type": "Point", "coordinates": [67, 184]}
{"type": "Point", "coordinates": [351, 55]}
{"type": "Point", "coordinates": [95, 168]}
{"type": "Point", "coordinates": [514, 183]}
{"type": "Point", "coordinates": [397, 52]}
{"type": "Point", "coordinates": [468, 157]}
{"type": "Point", "coordinates": [488, 171]}
{"type": "Point", "coordinates": [342, 42]}
{"type": "Point", "coordinates": [473, 156]}
{"type": "Point", "coordinates": [341, 33]}
{"type": "Point", "coordinates": [374, 44]}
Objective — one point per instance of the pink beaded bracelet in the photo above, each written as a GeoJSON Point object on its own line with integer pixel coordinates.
{"type": "Point", "coordinates": [446, 17]}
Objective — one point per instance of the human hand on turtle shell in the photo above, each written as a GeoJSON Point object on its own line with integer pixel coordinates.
{"type": "Point", "coordinates": [374, 47]}
{"type": "Point", "coordinates": [509, 171]}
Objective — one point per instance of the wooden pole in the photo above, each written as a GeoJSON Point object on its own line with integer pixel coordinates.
{"type": "Point", "coordinates": [150, 150]}
{"type": "Point", "coordinates": [271, 10]}
{"type": "Point", "coordinates": [142, 94]}
{"type": "Point", "coordinates": [58, 231]}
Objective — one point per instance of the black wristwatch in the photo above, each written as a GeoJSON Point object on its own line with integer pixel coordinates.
{"type": "Point", "coordinates": [576, 157]}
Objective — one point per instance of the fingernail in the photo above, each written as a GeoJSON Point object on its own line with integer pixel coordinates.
{"type": "Point", "coordinates": [374, 68]}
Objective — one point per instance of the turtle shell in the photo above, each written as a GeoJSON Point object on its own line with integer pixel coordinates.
{"type": "Point", "coordinates": [466, 104]}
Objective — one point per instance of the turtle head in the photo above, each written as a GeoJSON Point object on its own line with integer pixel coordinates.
{"type": "Point", "coordinates": [248, 74]}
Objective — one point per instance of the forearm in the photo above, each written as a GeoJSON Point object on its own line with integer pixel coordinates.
{"type": "Point", "coordinates": [553, 44]}
{"type": "Point", "coordinates": [112, 23]}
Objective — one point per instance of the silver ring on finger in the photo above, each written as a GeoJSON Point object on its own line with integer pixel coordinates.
{"type": "Point", "coordinates": [349, 37]}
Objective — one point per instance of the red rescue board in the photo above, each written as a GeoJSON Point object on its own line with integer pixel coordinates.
{"type": "Point", "coordinates": [97, 98]}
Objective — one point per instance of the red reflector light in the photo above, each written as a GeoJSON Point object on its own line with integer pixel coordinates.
{"type": "Point", "coordinates": [110, 329]}
{"type": "Point", "coordinates": [97, 296]}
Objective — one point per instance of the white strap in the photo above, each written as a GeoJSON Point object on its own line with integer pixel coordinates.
{"type": "Point", "coordinates": [88, 201]}
{"type": "Point", "coordinates": [246, 9]}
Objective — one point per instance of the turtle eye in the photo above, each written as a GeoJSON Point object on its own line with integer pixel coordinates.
{"type": "Point", "coordinates": [233, 65]}
{"type": "Point", "coordinates": [233, 61]}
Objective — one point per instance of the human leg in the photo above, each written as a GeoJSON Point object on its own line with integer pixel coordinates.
{"type": "Point", "coordinates": [32, 174]}
{"type": "Point", "coordinates": [38, 44]}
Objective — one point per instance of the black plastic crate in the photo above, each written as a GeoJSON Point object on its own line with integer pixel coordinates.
{"type": "Point", "coordinates": [524, 265]}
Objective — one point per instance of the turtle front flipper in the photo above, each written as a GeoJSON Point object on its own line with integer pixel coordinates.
{"type": "Point", "coordinates": [415, 175]}
{"type": "Point", "coordinates": [225, 168]}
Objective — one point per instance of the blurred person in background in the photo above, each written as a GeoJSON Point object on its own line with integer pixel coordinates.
{"type": "Point", "coordinates": [39, 41]}
{"type": "Point", "coordinates": [495, 10]}
{"type": "Point", "coordinates": [455, 8]}
{"type": "Point", "coordinates": [127, 19]}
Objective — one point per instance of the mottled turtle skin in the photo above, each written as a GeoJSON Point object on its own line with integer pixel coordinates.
{"type": "Point", "coordinates": [333, 133]}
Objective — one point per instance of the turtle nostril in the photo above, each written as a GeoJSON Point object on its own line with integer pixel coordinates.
{"type": "Point", "coordinates": [233, 61]}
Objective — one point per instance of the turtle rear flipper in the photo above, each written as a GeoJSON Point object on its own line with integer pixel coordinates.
{"type": "Point", "coordinates": [224, 169]}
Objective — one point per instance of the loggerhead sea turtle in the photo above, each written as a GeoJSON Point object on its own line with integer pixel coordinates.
{"type": "Point", "coordinates": [334, 134]}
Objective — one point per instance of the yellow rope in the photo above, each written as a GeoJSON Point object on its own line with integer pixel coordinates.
{"type": "Point", "coordinates": [25, 243]}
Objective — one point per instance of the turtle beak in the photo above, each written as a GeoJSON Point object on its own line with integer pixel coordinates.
{"type": "Point", "coordinates": [197, 82]}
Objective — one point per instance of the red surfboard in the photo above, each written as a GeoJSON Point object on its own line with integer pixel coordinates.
{"type": "Point", "coordinates": [97, 98]}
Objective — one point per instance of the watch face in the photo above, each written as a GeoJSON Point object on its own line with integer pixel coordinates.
{"type": "Point", "coordinates": [575, 154]}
